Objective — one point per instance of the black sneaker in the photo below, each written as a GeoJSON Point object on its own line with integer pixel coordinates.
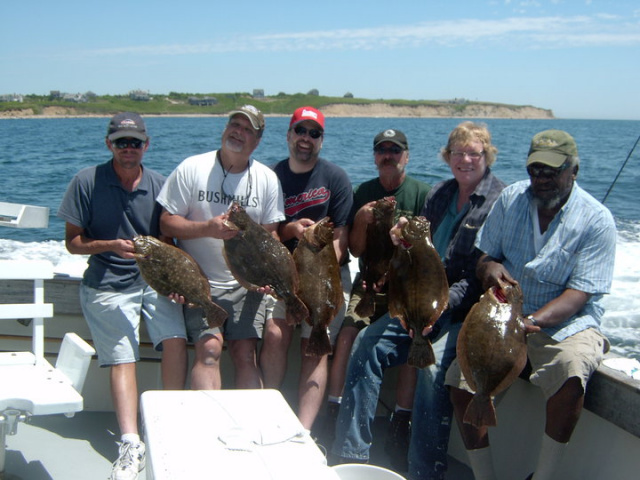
{"type": "Point", "coordinates": [396, 445]}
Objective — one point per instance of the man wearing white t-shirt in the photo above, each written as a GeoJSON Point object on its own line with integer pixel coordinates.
{"type": "Point", "coordinates": [196, 198]}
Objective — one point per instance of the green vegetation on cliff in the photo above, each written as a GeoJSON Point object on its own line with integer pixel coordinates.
{"type": "Point", "coordinates": [220, 103]}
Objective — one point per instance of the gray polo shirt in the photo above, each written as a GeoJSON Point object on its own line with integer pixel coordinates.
{"type": "Point", "coordinates": [96, 201]}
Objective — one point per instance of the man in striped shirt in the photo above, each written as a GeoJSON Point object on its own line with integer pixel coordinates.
{"type": "Point", "coordinates": [558, 243]}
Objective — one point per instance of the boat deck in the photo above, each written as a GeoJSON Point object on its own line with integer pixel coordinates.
{"type": "Point", "coordinates": [83, 447]}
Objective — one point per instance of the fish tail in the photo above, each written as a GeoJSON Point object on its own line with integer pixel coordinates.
{"type": "Point", "coordinates": [297, 311]}
{"type": "Point", "coordinates": [215, 314]}
{"type": "Point", "coordinates": [366, 306]}
{"type": "Point", "coordinates": [319, 343]}
{"type": "Point", "coordinates": [481, 412]}
{"type": "Point", "coordinates": [421, 353]}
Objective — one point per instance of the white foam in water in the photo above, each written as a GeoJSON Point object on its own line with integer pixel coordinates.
{"type": "Point", "coordinates": [621, 322]}
{"type": "Point", "coordinates": [64, 263]}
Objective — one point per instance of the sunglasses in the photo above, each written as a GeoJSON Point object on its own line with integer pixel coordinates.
{"type": "Point", "coordinates": [127, 143]}
{"type": "Point", "coordinates": [395, 149]}
{"type": "Point", "coordinates": [313, 133]}
{"type": "Point", "coordinates": [539, 170]}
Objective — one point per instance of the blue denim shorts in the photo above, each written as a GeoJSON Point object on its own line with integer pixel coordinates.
{"type": "Point", "coordinates": [114, 321]}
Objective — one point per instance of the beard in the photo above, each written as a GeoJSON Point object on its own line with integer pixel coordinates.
{"type": "Point", "coordinates": [547, 203]}
{"type": "Point", "coordinates": [233, 145]}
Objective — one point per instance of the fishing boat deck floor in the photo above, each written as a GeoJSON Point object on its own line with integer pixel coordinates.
{"type": "Point", "coordinates": [83, 447]}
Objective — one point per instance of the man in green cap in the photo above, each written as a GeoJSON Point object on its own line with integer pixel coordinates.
{"type": "Point", "coordinates": [558, 243]}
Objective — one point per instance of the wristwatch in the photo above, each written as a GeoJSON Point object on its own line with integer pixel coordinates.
{"type": "Point", "coordinates": [533, 320]}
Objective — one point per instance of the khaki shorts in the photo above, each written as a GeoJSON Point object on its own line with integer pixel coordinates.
{"type": "Point", "coordinates": [352, 319]}
{"type": "Point", "coordinates": [553, 362]}
{"type": "Point", "coordinates": [279, 309]}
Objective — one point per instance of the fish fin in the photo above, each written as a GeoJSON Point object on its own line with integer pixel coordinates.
{"type": "Point", "coordinates": [297, 311]}
{"type": "Point", "coordinates": [481, 412]}
{"type": "Point", "coordinates": [215, 314]}
{"type": "Point", "coordinates": [365, 307]}
{"type": "Point", "coordinates": [421, 353]}
{"type": "Point", "coordinates": [319, 343]}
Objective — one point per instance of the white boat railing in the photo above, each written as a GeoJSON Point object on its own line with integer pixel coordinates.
{"type": "Point", "coordinates": [29, 384]}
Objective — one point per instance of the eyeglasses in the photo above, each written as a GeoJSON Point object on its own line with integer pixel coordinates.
{"type": "Point", "coordinates": [471, 155]}
{"type": "Point", "coordinates": [394, 149]}
{"type": "Point", "coordinates": [540, 170]}
{"type": "Point", "coordinates": [313, 133]}
{"type": "Point", "coordinates": [127, 143]}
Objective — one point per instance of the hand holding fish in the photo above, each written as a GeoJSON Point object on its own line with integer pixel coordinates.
{"type": "Point", "coordinates": [425, 331]}
{"type": "Point", "coordinates": [529, 326]}
{"type": "Point", "coordinates": [492, 273]}
{"type": "Point", "coordinates": [295, 229]}
{"type": "Point", "coordinates": [366, 213]}
{"type": "Point", "coordinates": [396, 232]}
{"type": "Point", "coordinates": [174, 297]}
{"type": "Point", "coordinates": [219, 227]}
{"type": "Point", "coordinates": [266, 290]}
{"type": "Point", "coordinates": [124, 248]}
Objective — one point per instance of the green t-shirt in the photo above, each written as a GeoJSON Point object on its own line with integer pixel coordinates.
{"type": "Point", "coordinates": [410, 196]}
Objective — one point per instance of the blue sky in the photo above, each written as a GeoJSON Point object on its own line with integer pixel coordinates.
{"type": "Point", "coordinates": [579, 58]}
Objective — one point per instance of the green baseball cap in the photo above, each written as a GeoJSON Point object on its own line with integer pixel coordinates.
{"type": "Point", "coordinates": [551, 147]}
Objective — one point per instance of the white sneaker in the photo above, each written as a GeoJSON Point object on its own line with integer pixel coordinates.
{"type": "Point", "coordinates": [130, 461]}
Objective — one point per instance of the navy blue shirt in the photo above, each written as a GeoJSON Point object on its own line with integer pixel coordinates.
{"type": "Point", "coordinates": [325, 191]}
{"type": "Point", "coordinates": [96, 201]}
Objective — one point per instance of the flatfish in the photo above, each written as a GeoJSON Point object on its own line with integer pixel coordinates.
{"type": "Point", "coordinates": [492, 349]}
{"type": "Point", "coordinates": [320, 282]}
{"type": "Point", "coordinates": [418, 287]}
{"type": "Point", "coordinates": [256, 259]}
{"type": "Point", "coordinates": [377, 255]}
{"type": "Point", "coordinates": [168, 269]}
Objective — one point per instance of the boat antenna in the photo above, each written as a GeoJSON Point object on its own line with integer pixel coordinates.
{"type": "Point", "coordinates": [621, 168]}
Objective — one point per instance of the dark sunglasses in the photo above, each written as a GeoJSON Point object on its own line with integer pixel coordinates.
{"type": "Point", "coordinates": [539, 170]}
{"type": "Point", "coordinates": [127, 143]}
{"type": "Point", "coordinates": [313, 133]}
{"type": "Point", "coordinates": [395, 149]}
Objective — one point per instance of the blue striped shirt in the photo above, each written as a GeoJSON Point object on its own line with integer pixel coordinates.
{"type": "Point", "coordinates": [578, 252]}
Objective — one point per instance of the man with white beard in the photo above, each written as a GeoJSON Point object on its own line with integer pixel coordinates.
{"type": "Point", "coordinates": [196, 198]}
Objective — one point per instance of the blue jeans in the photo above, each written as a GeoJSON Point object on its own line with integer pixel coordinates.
{"type": "Point", "coordinates": [432, 409]}
{"type": "Point", "coordinates": [384, 344]}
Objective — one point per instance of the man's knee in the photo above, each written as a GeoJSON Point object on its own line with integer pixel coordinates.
{"type": "Point", "coordinates": [209, 351]}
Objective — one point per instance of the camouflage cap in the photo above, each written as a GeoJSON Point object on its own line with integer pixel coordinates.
{"type": "Point", "coordinates": [254, 115]}
{"type": "Point", "coordinates": [552, 147]}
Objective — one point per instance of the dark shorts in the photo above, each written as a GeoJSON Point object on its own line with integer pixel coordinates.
{"type": "Point", "coordinates": [247, 314]}
{"type": "Point", "coordinates": [352, 319]}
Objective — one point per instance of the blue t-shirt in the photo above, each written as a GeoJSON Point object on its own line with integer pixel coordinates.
{"type": "Point", "coordinates": [96, 201]}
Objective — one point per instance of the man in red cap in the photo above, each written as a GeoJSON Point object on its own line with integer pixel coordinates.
{"type": "Point", "coordinates": [313, 189]}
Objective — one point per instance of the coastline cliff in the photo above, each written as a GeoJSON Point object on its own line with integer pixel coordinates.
{"type": "Point", "coordinates": [373, 109]}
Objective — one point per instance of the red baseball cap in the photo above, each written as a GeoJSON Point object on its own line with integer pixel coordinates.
{"type": "Point", "coordinates": [307, 113]}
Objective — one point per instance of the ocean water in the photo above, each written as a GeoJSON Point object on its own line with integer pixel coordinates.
{"type": "Point", "coordinates": [38, 157]}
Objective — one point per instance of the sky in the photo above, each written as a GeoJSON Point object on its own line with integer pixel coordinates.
{"type": "Point", "coordinates": [578, 58]}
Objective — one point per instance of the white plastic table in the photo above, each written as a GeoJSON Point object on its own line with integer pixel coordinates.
{"type": "Point", "coordinates": [227, 434]}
